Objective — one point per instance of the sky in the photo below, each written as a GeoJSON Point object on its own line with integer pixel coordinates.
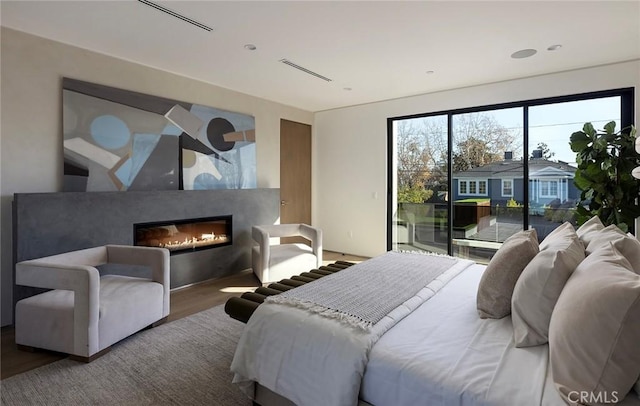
{"type": "Point", "coordinates": [553, 124]}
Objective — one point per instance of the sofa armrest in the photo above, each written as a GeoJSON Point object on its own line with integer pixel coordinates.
{"type": "Point", "coordinates": [315, 236]}
{"type": "Point", "coordinates": [84, 281]}
{"type": "Point", "coordinates": [155, 258]}
{"type": "Point", "coordinates": [261, 236]}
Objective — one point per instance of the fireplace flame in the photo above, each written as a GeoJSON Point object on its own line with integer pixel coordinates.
{"type": "Point", "coordinates": [194, 242]}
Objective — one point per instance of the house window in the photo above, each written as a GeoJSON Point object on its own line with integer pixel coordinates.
{"type": "Point", "coordinates": [507, 187]}
{"type": "Point", "coordinates": [482, 187]}
{"type": "Point", "coordinates": [549, 188]}
{"type": "Point", "coordinates": [462, 188]}
{"type": "Point", "coordinates": [472, 187]}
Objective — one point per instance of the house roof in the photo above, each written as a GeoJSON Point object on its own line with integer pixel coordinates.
{"type": "Point", "coordinates": [538, 168]}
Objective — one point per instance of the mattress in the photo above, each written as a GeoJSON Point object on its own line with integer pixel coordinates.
{"type": "Point", "coordinates": [444, 354]}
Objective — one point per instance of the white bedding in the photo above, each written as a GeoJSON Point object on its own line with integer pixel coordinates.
{"type": "Point", "coordinates": [444, 354]}
{"type": "Point", "coordinates": [310, 359]}
{"type": "Point", "coordinates": [441, 353]}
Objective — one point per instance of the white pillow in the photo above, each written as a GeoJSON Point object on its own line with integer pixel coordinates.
{"type": "Point", "coordinates": [588, 230]}
{"type": "Point", "coordinates": [595, 328]}
{"type": "Point", "coordinates": [629, 247]}
{"type": "Point", "coordinates": [559, 232]}
{"type": "Point", "coordinates": [539, 287]}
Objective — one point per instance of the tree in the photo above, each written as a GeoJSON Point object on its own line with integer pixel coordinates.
{"type": "Point", "coordinates": [422, 149]}
{"type": "Point", "coordinates": [413, 157]}
{"type": "Point", "coordinates": [545, 151]}
{"type": "Point", "coordinates": [472, 153]}
{"type": "Point", "coordinates": [416, 194]}
{"type": "Point", "coordinates": [480, 140]}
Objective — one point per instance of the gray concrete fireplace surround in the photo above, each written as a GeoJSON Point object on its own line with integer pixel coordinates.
{"type": "Point", "coordinates": [53, 223]}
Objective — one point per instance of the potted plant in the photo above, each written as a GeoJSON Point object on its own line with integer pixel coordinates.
{"type": "Point", "coordinates": [605, 161]}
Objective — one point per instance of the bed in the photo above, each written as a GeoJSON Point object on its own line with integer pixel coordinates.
{"type": "Point", "coordinates": [433, 349]}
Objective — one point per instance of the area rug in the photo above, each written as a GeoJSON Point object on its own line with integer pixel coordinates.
{"type": "Point", "coordinates": [185, 362]}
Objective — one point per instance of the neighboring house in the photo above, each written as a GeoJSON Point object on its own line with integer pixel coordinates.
{"type": "Point", "coordinates": [503, 180]}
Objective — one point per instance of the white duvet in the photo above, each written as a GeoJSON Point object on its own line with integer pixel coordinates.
{"type": "Point", "coordinates": [310, 359]}
{"type": "Point", "coordinates": [444, 354]}
{"type": "Point", "coordinates": [438, 352]}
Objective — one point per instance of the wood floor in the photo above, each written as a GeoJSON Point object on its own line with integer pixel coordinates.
{"type": "Point", "coordinates": [184, 302]}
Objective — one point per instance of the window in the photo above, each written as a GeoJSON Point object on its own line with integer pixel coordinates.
{"type": "Point", "coordinates": [525, 140]}
{"type": "Point", "coordinates": [462, 190]}
{"type": "Point", "coordinates": [507, 187]}
{"type": "Point", "coordinates": [548, 188]}
{"type": "Point", "coordinates": [472, 187]}
{"type": "Point", "coordinates": [482, 187]}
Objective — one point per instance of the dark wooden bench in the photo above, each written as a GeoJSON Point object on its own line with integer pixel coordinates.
{"type": "Point", "coordinates": [241, 308]}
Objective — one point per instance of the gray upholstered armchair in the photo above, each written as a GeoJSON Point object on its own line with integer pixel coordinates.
{"type": "Point", "coordinates": [85, 313]}
{"type": "Point", "coordinates": [279, 261]}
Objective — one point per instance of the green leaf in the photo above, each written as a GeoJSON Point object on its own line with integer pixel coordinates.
{"type": "Point", "coordinates": [600, 144]}
{"type": "Point", "coordinates": [579, 141]}
{"type": "Point", "coordinates": [582, 183]}
{"type": "Point", "coordinates": [618, 193]}
{"type": "Point", "coordinates": [588, 129]}
{"type": "Point", "coordinates": [610, 138]}
{"type": "Point", "coordinates": [589, 194]}
{"type": "Point", "coordinates": [610, 127]}
{"type": "Point", "coordinates": [581, 210]}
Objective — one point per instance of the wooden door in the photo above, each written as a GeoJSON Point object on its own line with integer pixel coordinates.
{"type": "Point", "coordinates": [295, 172]}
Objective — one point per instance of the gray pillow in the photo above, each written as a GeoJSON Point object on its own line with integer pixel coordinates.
{"type": "Point", "coordinates": [539, 287]}
{"type": "Point", "coordinates": [500, 277]}
{"type": "Point", "coordinates": [595, 328]}
{"type": "Point", "coordinates": [589, 229]}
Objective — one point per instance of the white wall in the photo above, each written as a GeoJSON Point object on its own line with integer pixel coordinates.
{"type": "Point", "coordinates": [31, 130]}
{"type": "Point", "coordinates": [349, 157]}
{"type": "Point", "coordinates": [350, 150]}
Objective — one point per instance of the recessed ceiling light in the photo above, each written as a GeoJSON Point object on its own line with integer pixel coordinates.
{"type": "Point", "coordinates": [250, 47]}
{"type": "Point", "coordinates": [430, 72]}
{"type": "Point", "coordinates": [523, 53]}
{"type": "Point", "coordinates": [554, 47]}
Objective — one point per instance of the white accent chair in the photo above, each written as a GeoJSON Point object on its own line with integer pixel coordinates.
{"type": "Point", "coordinates": [279, 261]}
{"type": "Point", "coordinates": [85, 313]}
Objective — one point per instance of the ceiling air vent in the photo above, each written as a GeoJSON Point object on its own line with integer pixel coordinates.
{"type": "Point", "coordinates": [176, 15]}
{"type": "Point", "coordinates": [305, 70]}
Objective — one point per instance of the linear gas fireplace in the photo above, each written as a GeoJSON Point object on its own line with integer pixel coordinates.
{"type": "Point", "coordinates": [188, 235]}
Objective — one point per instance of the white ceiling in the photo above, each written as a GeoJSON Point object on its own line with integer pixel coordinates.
{"type": "Point", "coordinates": [382, 50]}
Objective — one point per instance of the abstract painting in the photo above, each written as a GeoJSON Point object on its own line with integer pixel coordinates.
{"type": "Point", "coordinates": [118, 140]}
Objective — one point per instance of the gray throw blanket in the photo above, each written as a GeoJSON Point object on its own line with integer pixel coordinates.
{"type": "Point", "coordinates": [363, 294]}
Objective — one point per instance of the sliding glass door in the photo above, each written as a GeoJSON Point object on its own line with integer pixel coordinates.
{"type": "Point", "coordinates": [420, 185]}
{"type": "Point", "coordinates": [488, 172]}
{"type": "Point", "coordinates": [463, 181]}
{"type": "Point", "coordinates": [553, 196]}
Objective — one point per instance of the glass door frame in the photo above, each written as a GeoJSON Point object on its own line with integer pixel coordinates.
{"type": "Point", "coordinates": [627, 108]}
